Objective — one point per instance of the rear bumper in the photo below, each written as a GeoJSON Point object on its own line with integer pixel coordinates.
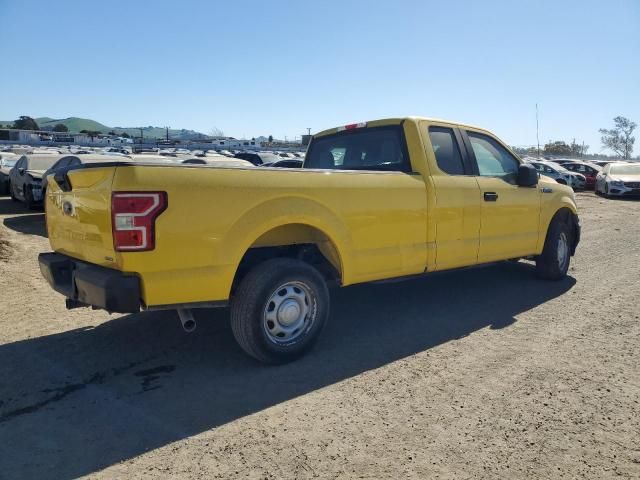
{"type": "Point", "coordinates": [91, 285]}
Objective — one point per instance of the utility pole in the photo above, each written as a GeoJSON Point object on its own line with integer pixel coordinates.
{"type": "Point", "coordinates": [167, 133]}
{"type": "Point", "coordinates": [537, 131]}
{"type": "Point", "coordinates": [308, 130]}
{"type": "Point", "coordinates": [141, 136]}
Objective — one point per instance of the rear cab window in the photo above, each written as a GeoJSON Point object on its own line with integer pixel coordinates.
{"type": "Point", "coordinates": [446, 150]}
{"type": "Point", "coordinates": [368, 148]}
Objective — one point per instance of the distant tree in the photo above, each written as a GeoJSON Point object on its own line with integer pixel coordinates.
{"type": "Point", "coordinates": [557, 148]}
{"type": "Point", "coordinates": [270, 139]}
{"type": "Point", "coordinates": [125, 135]}
{"type": "Point", "coordinates": [60, 127]}
{"type": "Point", "coordinates": [112, 132]}
{"type": "Point", "coordinates": [619, 139]}
{"type": "Point", "coordinates": [91, 133]}
{"type": "Point", "coordinates": [216, 132]}
{"type": "Point", "coordinates": [577, 149]}
{"type": "Point", "coordinates": [26, 123]}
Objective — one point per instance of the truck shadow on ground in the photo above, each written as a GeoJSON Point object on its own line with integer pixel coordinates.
{"type": "Point", "coordinates": [9, 207]}
{"type": "Point", "coordinates": [26, 221]}
{"type": "Point", "coordinates": [32, 224]}
{"type": "Point", "coordinates": [76, 402]}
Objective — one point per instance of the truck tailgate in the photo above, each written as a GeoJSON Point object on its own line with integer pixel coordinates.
{"type": "Point", "coordinates": [78, 210]}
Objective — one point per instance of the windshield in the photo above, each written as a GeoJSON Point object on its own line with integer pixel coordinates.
{"type": "Point", "coordinates": [8, 162]}
{"type": "Point", "coordinates": [625, 169]}
{"type": "Point", "coordinates": [41, 163]}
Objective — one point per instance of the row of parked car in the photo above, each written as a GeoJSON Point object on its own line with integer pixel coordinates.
{"type": "Point", "coordinates": [23, 174]}
{"type": "Point", "coordinates": [609, 178]}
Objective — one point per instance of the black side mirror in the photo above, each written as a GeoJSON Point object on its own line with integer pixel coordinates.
{"type": "Point", "coordinates": [21, 171]}
{"type": "Point", "coordinates": [527, 175]}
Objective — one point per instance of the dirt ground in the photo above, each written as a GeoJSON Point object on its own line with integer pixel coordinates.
{"type": "Point", "coordinates": [484, 373]}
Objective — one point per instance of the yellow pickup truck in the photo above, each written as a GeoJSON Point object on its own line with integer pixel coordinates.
{"type": "Point", "coordinates": [373, 201]}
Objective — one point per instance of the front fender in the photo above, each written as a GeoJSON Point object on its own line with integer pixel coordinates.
{"type": "Point", "coordinates": [562, 203]}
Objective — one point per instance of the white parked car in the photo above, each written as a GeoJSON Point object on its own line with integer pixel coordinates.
{"type": "Point", "coordinates": [7, 161]}
{"type": "Point", "coordinates": [26, 178]}
{"type": "Point", "coordinates": [619, 179]}
{"type": "Point", "coordinates": [560, 174]}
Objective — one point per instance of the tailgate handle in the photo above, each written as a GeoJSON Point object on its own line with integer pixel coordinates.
{"type": "Point", "coordinates": [62, 179]}
{"type": "Point", "coordinates": [490, 196]}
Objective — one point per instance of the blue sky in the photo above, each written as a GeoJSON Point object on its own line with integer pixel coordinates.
{"type": "Point", "coordinates": [258, 68]}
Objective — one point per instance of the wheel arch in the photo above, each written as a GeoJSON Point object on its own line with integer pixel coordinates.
{"type": "Point", "coordinates": [295, 227]}
{"type": "Point", "coordinates": [566, 213]}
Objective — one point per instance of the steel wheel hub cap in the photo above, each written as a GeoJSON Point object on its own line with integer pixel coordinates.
{"type": "Point", "coordinates": [563, 249]}
{"type": "Point", "coordinates": [287, 313]}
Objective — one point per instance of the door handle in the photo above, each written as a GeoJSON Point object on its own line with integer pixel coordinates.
{"type": "Point", "coordinates": [490, 196]}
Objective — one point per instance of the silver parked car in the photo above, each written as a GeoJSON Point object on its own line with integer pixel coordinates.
{"type": "Point", "coordinates": [560, 174]}
{"type": "Point", "coordinates": [25, 178]}
{"type": "Point", "coordinates": [619, 179]}
{"type": "Point", "coordinates": [7, 161]}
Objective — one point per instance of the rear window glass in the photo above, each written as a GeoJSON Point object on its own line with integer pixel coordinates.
{"type": "Point", "coordinates": [446, 150]}
{"type": "Point", "coordinates": [377, 148]}
{"type": "Point", "coordinates": [41, 163]}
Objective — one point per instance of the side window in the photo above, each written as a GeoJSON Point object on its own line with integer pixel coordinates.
{"type": "Point", "coordinates": [446, 150]}
{"type": "Point", "coordinates": [538, 167]}
{"type": "Point", "coordinates": [493, 159]}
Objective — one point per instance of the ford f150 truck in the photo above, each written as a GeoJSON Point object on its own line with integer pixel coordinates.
{"type": "Point", "coordinates": [378, 200]}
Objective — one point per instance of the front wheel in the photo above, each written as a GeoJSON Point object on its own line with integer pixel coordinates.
{"type": "Point", "coordinates": [28, 198]}
{"type": "Point", "coordinates": [553, 263]}
{"type": "Point", "coordinates": [12, 194]}
{"type": "Point", "coordinates": [279, 310]}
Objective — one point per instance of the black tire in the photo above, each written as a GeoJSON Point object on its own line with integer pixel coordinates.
{"type": "Point", "coordinates": [253, 298]}
{"type": "Point", "coordinates": [28, 198]}
{"type": "Point", "coordinates": [548, 264]}
{"type": "Point", "coordinates": [11, 193]}
{"type": "Point", "coordinates": [606, 191]}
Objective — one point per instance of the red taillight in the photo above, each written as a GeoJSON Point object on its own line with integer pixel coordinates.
{"type": "Point", "coordinates": [133, 218]}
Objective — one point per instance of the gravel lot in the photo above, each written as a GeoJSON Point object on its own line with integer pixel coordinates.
{"type": "Point", "coordinates": [484, 373]}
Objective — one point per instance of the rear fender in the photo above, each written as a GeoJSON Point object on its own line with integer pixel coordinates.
{"type": "Point", "coordinates": [274, 223]}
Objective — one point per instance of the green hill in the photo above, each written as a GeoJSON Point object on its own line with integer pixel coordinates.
{"type": "Point", "coordinates": [76, 124]}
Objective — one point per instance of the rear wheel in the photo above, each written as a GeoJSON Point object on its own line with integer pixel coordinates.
{"type": "Point", "coordinates": [553, 263]}
{"type": "Point", "coordinates": [279, 310]}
